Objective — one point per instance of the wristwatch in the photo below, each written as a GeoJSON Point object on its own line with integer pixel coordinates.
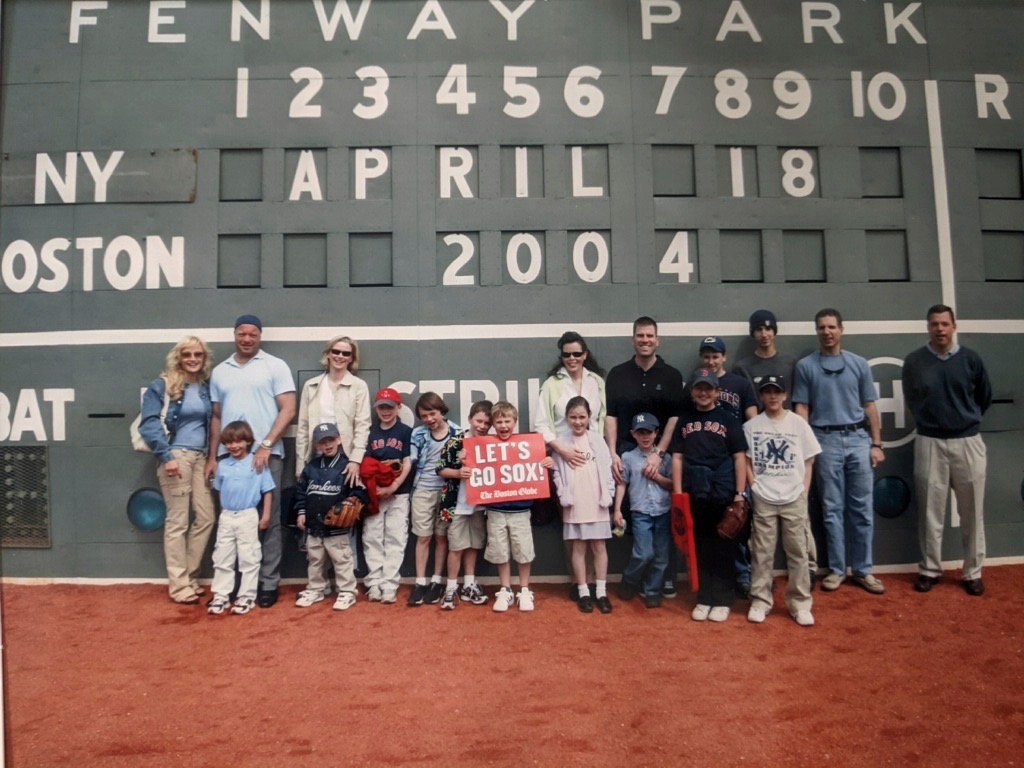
{"type": "Point", "coordinates": [266, 444]}
{"type": "Point", "coordinates": [877, 445]}
{"type": "Point", "coordinates": [661, 453]}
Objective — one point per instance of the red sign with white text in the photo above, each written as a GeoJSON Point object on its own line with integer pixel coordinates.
{"type": "Point", "coordinates": [505, 470]}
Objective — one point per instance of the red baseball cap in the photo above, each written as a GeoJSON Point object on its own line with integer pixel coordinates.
{"type": "Point", "coordinates": [388, 396]}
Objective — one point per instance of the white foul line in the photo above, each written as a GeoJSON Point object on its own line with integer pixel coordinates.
{"type": "Point", "coordinates": [941, 190]}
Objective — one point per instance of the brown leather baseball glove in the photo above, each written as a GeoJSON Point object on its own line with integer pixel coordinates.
{"type": "Point", "coordinates": [344, 515]}
{"type": "Point", "coordinates": [735, 517]}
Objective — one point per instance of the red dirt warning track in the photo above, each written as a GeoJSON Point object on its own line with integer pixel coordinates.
{"type": "Point", "coordinates": [119, 676]}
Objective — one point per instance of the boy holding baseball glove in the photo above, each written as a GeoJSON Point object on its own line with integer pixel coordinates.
{"type": "Point", "coordinates": [327, 509]}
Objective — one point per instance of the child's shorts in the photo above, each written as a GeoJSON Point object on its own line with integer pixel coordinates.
{"type": "Point", "coordinates": [509, 532]}
{"type": "Point", "coordinates": [425, 521]}
{"type": "Point", "coordinates": [467, 532]}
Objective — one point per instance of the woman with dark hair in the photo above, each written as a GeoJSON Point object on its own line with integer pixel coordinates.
{"type": "Point", "coordinates": [175, 424]}
{"type": "Point", "coordinates": [576, 374]}
{"type": "Point", "coordinates": [337, 397]}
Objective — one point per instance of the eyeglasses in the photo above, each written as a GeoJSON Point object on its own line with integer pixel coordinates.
{"type": "Point", "coordinates": [190, 355]}
{"type": "Point", "coordinates": [341, 352]}
{"type": "Point", "coordinates": [832, 371]}
{"type": "Point", "coordinates": [567, 355]}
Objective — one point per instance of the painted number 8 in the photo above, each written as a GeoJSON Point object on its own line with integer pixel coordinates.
{"type": "Point", "coordinates": [798, 177]}
{"type": "Point", "coordinates": [732, 100]}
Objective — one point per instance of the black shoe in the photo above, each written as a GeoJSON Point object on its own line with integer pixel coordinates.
{"type": "Point", "coordinates": [604, 605]}
{"type": "Point", "coordinates": [585, 604]}
{"type": "Point", "coordinates": [974, 587]}
{"type": "Point", "coordinates": [626, 591]}
{"type": "Point", "coordinates": [574, 592]}
{"type": "Point", "coordinates": [435, 591]}
{"type": "Point", "coordinates": [652, 601]}
{"type": "Point", "coordinates": [742, 591]}
{"type": "Point", "coordinates": [669, 590]}
{"type": "Point", "coordinates": [418, 594]}
{"type": "Point", "coordinates": [924, 583]}
{"type": "Point", "coordinates": [266, 598]}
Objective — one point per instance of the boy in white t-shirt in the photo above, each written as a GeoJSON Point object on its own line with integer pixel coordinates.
{"type": "Point", "coordinates": [780, 453]}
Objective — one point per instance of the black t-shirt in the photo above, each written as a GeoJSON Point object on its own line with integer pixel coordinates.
{"type": "Point", "coordinates": [630, 390]}
{"type": "Point", "coordinates": [391, 443]}
{"type": "Point", "coordinates": [708, 438]}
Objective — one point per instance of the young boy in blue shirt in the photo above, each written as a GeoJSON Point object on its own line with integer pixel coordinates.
{"type": "Point", "coordinates": [650, 500]}
{"type": "Point", "coordinates": [323, 487]}
{"type": "Point", "coordinates": [242, 489]}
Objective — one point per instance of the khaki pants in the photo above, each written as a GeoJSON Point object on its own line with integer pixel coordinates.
{"type": "Point", "coordinates": [184, 546]}
{"type": "Point", "coordinates": [940, 465]}
{"type": "Point", "coordinates": [339, 550]}
{"type": "Point", "coordinates": [763, 537]}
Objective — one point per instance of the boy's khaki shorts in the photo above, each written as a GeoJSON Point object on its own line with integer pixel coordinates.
{"type": "Point", "coordinates": [425, 521]}
{"type": "Point", "coordinates": [467, 532]}
{"type": "Point", "coordinates": [509, 532]}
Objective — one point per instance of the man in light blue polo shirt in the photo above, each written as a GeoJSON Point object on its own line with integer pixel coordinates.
{"type": "Point", "coordinates": [833, 390]}
{"type": "Point", "coordinates": [257, 388]}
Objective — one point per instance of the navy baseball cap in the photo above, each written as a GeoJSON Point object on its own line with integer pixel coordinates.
{"type": "Point", "coordinates": [646, 421]}
{"type": "Point", "coordinates": [325, 430]}
{"type": "Point", "coordinates": [761, 318]}
{"type": "Point", "coordinates": [713, 342]}
{"type": "Point", "coordinates": [764, 382]}
{"type": "Point", "coordinates": [249, 320]}
{"type": "Point", "coordinates": [705, 375]}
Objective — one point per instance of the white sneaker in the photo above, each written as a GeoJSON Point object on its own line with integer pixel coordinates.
{"type": "Point", "coordinates": [503, 600]}
{"type": "Point", "coordinates": [345, 601]}
{"type": "Point", "coordinates": [373, 594]}
{"type": "Point", "coordinates": [308, 597]}
{"type": "Point", "coordinates": [525, 599]}
{"type": "Point", "coordinates": [388, 596]}
{"type": "Point", "coordinates": [700, 613]}
{"type": "Point", "coordinates": [756, 614]}
{"type": "Point", "coordinates": [718, 613]}
{"type": "Point", "coordinates": [804, 618]}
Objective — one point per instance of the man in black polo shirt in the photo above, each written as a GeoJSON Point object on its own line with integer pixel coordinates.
{"type": "Point", "coordinates": [643, 384]}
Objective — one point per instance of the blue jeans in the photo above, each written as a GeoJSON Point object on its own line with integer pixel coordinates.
{"type": "Point", "coordinates": [845, 485]}
{"type": "Point", "coordinates": [651, 541]}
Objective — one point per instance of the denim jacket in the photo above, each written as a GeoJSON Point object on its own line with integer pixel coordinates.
{"type": "Point", "coordinates": [160, 436]}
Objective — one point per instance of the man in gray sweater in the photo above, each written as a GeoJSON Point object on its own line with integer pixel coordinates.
{"type": "Point", "coordinates": [948, 390]}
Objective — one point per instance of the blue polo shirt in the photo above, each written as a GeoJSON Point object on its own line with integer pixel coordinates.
{"type": "Point", "coordinates": [834, 388]}
{"type": "Point", "coordinates": [239, 485]}
{"type": "Point", "coordinates": [249, 393]}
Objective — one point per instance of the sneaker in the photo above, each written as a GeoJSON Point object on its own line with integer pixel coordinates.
{"type": "Point", "coordinates": [668, 591]}
{"type": "Point", "coordinates": [218, 605]}
{"type": "Point", "coordinates": [373, 594]}
{"type": "Point", "coordinates": [388, 596]}
{"type": "Point", "coordinates": [243, 605]}
{"type": "Point", "coordinates": [718, 613]}
{"type": "Point", "coordinates": [832, 582]}
{"type": "Point", "coordinates": [626, 591]}
{"type": "Point", "coordinates": [869, 583]}
{"type": "Point", "coordinates": [345, 601]}
{"type": "Point", "coordinates": [448, 601]}
{"type": "Point", "coordinates": [308, 597]}
{"type": "Point", "coordinates": [525, 599]}
{"type": "Point", "coordinates": [974, 587]}
{"type": "Point", "coordinates": [700, 613]}
{"type": "Point", "coordinates": [653, 601]}
{"type": "Point", "coordinates": [472, 593]}
{"type": "Point", "coordinates": [804, 618]}
{"type": "Point", "coordinates": [418, 594]}
{"type": "Point", "coordinates": [756, 614]}
{"type": "Point", "coordinates": [435, 591]}
{"type": "Point", "coordinates": [503, 600]}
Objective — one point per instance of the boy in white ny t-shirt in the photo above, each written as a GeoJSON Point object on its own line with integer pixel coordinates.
{"type": "Point", "coordinates": [780, 453]}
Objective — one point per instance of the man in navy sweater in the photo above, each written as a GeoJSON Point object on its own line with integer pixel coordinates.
{"type": "Point", "coordinates": [948, 390]}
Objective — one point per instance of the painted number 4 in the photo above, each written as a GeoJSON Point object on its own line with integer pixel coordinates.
{"type": "Point", "coordinates": [676, 260]}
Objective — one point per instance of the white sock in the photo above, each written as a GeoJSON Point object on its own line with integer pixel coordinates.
{"type": "Point", "coordinates": [435, 579]}
{"type": "Point", "coordinates": [421, 581]}
{"type": "Point", "coordinates": [452, 584]}
{"type": "Point", "coordinates": [469, 580]}
{"type": "Point", "coordinates": [584, 590]}
{"type": "Point", "coordinates": [601, 589]}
